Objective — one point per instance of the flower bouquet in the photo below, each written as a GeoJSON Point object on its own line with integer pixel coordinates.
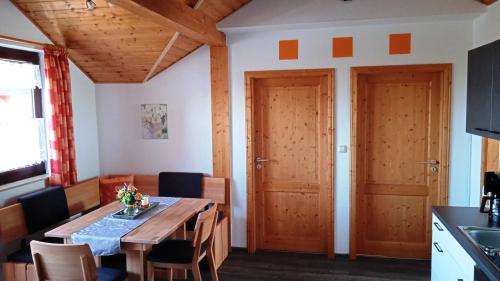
{"type": "Point", "coordinates": [130, 197]}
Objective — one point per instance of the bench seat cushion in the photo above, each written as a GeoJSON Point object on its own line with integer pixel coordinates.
{"type": "Point", "coordinates": [21, 256]}
{"type": "Point", "coordinates": [110, 274]}
{"type": "Point", "coordinates": [174, 251]}
{"type": "Point", "coordinates": [118, 261]}
{"type": "Point", "coordinates": [24, 255]}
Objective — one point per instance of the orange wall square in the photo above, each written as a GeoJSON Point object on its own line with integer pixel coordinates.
{"type": "Point", "coordinates": [289, 49]}
{"type": "Point", "coordinates": [400, 44]}
{"type": "Point", "coordinates": [342, 47]}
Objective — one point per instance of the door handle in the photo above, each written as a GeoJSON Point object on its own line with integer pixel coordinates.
{"type": "Point", "coordinates": [431, 162]}
{"type": "Point", "coordinates": [258, 159]}
{"type": "Point", "coordinates": [258, 162]}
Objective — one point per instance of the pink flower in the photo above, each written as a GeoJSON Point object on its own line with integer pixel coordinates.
{"type": "Point", "coordinates": [138, 197]}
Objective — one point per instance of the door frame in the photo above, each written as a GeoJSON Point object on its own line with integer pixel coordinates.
{"type": "Point", "coordinates": [446, 78]}
{"type": "Point", "coordinates": [250, 77]}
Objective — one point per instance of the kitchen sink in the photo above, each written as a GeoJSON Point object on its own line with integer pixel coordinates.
{"type": "Point", "coordinates": [484, 237]}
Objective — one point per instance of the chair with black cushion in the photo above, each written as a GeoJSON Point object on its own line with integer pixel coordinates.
{"type": "Point", "coordinates": [185, 254]}
{"type": "Point", "coordinates": [57, 262]}
{"type": "Point", "coordinates": [184, 185]}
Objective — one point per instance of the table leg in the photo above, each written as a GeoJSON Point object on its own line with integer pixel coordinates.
{"type": "Point", "coordinates": [135, 265]}
{"type": "Point", "coordinates": [97, 260]}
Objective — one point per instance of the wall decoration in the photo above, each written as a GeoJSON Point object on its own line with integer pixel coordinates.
{"type": "Point", "coordinates": [342, 47]}
{"type": "Point", "coordinates": [154, 121]}
{"type": "Point", "coordinates": [400, 44]}
{"type": "Point", "coordinates": [289, 49]}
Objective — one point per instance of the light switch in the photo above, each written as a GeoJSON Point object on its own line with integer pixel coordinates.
{"type": "Point", "coordinates": [342, 148]}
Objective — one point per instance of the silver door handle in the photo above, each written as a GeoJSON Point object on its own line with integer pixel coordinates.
{"type": "Point", "coordinates": [258, 160]}
{"type": "Point", "coordinates": [432, 162]}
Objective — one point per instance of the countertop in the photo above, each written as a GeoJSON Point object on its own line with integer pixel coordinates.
{"type": "Point", "coordinates": [452, 217]}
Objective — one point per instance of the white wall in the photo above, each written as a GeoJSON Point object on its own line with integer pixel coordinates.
{"type": "Point", "coordinates": [185, 88]}
{"type": "Point", "coordinates": [294, 14]}
{"type": "Point", "coordinates": [438, 42]}
{"type": "Point", "coordinates": [13, 23]}
{"type": "Point", "coordinates": [486, 27]}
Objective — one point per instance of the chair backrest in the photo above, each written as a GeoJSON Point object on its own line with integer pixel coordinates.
{"type": "Point", "coordinates": [59, 262]}
{"type": "Point", "coordinates": [187, 185]}
{"type": "Point", "coordinates": [205, 228]}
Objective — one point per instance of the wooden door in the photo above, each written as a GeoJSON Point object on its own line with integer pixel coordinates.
{"type": "Point", "coordinates": [401, 148]}
{"type": "Point", "coordinates": [292, 134]}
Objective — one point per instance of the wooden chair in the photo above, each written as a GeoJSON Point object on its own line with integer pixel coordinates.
{"type": "Point", "coordinates": [185, 254]}
{"type": "Point", "coordinates": [57, 262]}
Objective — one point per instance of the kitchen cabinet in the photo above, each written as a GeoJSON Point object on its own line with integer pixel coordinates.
{"type": "Point", "coordinates": [495, 97]}
{"type": "Point", "coordinates": [479, 90]}
{"type": "Point", "coordinates": [450, 262]}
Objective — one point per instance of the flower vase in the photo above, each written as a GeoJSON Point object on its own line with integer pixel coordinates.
{"type": "Point", "coordinates": [130, 210]}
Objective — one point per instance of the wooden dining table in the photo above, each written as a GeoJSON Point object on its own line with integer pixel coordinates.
{"type": "Point", "coordinates": [139, 241]}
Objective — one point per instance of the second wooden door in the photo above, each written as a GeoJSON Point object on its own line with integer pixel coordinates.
{"type": "Point", "coordinates": [293, 162]}
{"type": "Point", "coordinates": [401, 149]}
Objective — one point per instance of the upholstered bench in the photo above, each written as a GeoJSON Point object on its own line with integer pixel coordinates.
{"type": "Point", "coordinates": [36, 212]}
{"type": "Point", "coordinates": [42, 209]}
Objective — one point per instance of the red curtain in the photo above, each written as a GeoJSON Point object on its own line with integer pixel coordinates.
{"type": "Point", "coordinates": [61, 137]}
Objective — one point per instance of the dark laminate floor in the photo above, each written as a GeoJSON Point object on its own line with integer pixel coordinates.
{"type": "Point", "coordinates": [266, 266]}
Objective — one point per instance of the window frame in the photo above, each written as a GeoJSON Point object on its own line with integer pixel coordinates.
{"type": "Point", "coordinates": [40, 171]}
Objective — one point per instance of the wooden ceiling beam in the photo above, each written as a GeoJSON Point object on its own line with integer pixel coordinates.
{"type": "Point", "coordinates": [178, 16]}
{"type": "Point", "coordinates": [487, 2]}
{"type": "Point", "coordinates": [167, 48]}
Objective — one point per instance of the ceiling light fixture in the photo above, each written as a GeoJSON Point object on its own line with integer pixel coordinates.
{"type": "Point", "coordinates": [90, 5]}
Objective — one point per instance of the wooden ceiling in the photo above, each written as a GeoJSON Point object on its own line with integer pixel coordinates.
{"type": "Point", "coordinates": [113, 45]}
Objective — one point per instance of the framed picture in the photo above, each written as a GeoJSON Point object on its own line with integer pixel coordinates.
{"type": "Point", "coordinates": [154, 121]}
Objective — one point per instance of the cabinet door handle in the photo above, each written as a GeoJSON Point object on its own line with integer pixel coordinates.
{"type": "Point", "coordinates": [495, 132]}
{"type": "Point", "coordinates": [436, 245]}
{"type": "Point", "coordinates": [438, 226]}
{"type": "Point", "coordinates": [460, 279]}
{"type": "Point", "coordinates": [481, 129]}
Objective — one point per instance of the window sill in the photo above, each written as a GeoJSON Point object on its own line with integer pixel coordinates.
{"type": "Point", "coordinates": [15, 184]}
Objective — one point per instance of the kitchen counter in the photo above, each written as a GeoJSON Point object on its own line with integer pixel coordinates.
{"type": "Point", "coordinates": [452, 217]}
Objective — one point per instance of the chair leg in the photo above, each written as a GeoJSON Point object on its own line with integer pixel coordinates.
{"type": "Point", "coordinates": [151, 272]}
{"type": "Point", "coordinates": [170, 273]}
{"type": "Point", "coordinates": [196, 272]}
{"type": "Point", "coordinates": [211, 265]}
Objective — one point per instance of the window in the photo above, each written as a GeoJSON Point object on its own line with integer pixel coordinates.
{"type": "Point", "coordinates": [23, 144]}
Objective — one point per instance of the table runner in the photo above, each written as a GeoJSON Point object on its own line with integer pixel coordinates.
{"type": "Point", "coordinates": [104, 236]}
